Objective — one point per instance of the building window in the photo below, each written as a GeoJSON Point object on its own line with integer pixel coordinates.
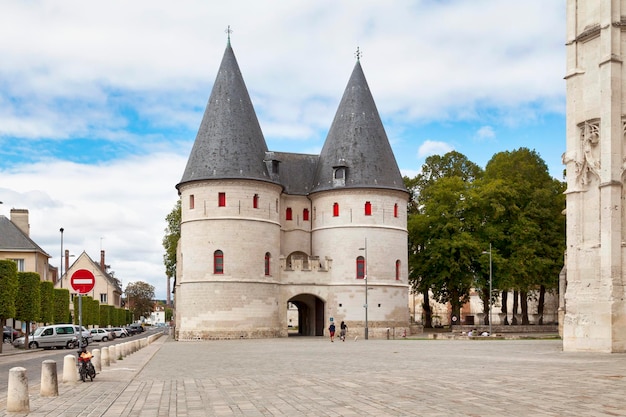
{"type": "Point", "coordinates": [255, 201]}
{"type": "Point", "coordinates": [398, 270]}
{"type": "Point", "coordinates": [218, 262]}
{"type": "Point", "coordinates": [20, 264]}
{"type": "Point", "coordinates": [395, 210]}
{"type": "Point", "coordinates": [103, 298]}
{"type": "Point", "coordinates": [268, 258]}
{"type": "Point", "coordinates": [288, 214]}
{"type": "Point", "coordinates": [339, 173]}
{"type": "Point", "coordinates": [191, 202]}
{"type": "Point", "coordinates": [360, 267]}
{"type": "Point", "coordinates": [335, 209]}
{"type": "Point", "coordinates": [368, 208]}
{"type": "Point", "coordinates": [221, 199]}
{"type": "Point", "coordinates": [305, 215]}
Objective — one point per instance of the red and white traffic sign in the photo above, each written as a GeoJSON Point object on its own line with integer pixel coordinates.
{"type": "Point", "coordinates": [82, 281]}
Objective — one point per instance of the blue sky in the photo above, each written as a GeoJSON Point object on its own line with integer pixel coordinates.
{"type": "Point", "coordinates": [100, 102]}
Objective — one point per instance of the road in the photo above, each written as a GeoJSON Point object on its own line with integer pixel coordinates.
{"type": "Point", "coordinates": [32, 361]}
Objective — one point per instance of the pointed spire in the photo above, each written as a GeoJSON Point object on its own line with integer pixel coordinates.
{"type": "Point", "coordinates": [229, 143]}
{"type": "Point", "coordinates": [357, 143]}
{"type": "Point", "coordinates": [228, 31]}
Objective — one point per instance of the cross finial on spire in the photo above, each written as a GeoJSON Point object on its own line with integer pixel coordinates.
{"type": "Point", "coordinates": [228, 31]}
{"type": "Point", "coordinates": [358, 54]}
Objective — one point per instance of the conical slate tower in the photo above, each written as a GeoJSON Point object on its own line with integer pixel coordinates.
{"type": "Point", "coordinates": [229, 143]}
{"type": "Point", "coordinates": [358, 143]}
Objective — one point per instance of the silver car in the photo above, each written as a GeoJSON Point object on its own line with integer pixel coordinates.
{"type": "Point", "coordinates": [47, 337]}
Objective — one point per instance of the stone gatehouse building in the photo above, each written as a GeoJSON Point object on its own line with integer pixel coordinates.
{"type": "Point", "coordinates": [261, 229]}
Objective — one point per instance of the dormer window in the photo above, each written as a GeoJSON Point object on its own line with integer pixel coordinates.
{"type": "Point", "coordinates": [340, 173]}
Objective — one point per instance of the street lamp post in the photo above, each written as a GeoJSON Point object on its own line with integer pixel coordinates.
{"type": "Point", "coordinates": [365, 280]}
{"type": "Point", "coordinates": [61, 260]}
{"type": "Point", "coordinates": [490, 283]}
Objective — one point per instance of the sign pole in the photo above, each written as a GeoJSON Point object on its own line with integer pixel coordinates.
{"type": "Point", "coordinates": [80, 320]}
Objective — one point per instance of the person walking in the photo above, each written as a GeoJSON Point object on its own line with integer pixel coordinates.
{"type": "Point", "coordinates": [343, 330]}
{"type": "Point", "coordinates": [331, 329]}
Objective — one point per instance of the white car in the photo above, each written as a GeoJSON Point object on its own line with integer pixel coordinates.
{"type": "Point", "coordinates": [100, 335]}
{"type": "Point", "coordinates": [85, 333]}
{"type": "Point", "coordinates": [118, 332]}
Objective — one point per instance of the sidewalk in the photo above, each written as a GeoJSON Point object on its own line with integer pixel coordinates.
{"type": "Point", "coordinates": [309, 376]}
{"type": "Point", "coordinates": [96, 398]}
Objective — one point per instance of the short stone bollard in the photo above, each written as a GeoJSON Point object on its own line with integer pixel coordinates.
{"type": "Point", "coordinates": [49, 380]}
{"type": "Point", "coordinates": [17, 392]}
{"type": "Point", "coordinates": [105, 357]}
{"type": "Point", "coordinates": [112, 354]}
{"type": "Point", "coordinates": [96, 360]}
{"type": "Point", "coordinates": [70, 373]}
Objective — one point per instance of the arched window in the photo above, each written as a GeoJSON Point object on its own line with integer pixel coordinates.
{"type": "Point", "coordinates": [395, 210]}
{"type": "Point", "coordinates": [218, 262]}
{"type": "Point", "coordinates": [255, 201]}
{"type": "Point", "coordinates": [305, 215]}
{"type": "Point", "coordinates": [360, 267]}
{"type": "Point", "coordinates": [335, 209]}
{"type": "Point", "coordinates": [368, 208]}
{"type": "Point", "coordinates": [268, 258]}
{"type": "Point", "coordinates": [288, 214]}
{"type": "Point", "coordinates": [398, 270]}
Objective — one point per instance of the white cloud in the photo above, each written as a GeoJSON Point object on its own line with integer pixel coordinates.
{"type": "Point", "coordinates": [431, 147]}
{"type": "Point", "coordinates": [485, 133]}
{"type": "Point", "coordinates": [119, 207]}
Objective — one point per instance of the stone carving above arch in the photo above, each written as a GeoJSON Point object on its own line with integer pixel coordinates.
{"type": "Point", "coordinates": [586, 158]}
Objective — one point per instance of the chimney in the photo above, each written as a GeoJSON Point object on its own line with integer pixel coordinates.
{"type": "Point", "coordinates": [102, 265]}
{"type": "Point", "coordinates": [19, 217]}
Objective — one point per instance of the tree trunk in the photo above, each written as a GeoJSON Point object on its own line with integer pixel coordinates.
{"type": "Point", "coordinates": [504, 308]}
{"type": "Point", "coordinates": [523, 295]}
{"type": "Point", "coordinates": [540, 304]}
{"type": "Point", "coordinates": [515, 304]}
{"type": "Point", "coordinates": [485, 297]}
{"type": "Point", "coordinates": [428, 314]}
{"type": "Point", "coordinates": [456, 307]}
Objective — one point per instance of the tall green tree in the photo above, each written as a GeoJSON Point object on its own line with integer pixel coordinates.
{"type": "Point", "coordinates": [170, 241]}
{"type": "Point", "coordinates": [442, 246]}
{"type": "Point", "coordinates": [528, 227]}
{"type": "Point", "coordinates": [61, 313]}
{"type": "Point", "coordinates": [140, 296]}
{"type": "Point", "coordinates": [8, 290]}
{"type": "Point", "coordinates": [28, 300]}
{"type": "Point", "coordinates": [47, 302]}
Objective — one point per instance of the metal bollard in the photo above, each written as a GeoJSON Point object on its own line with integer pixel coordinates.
{"type": "Point", "coordinates": [70, 373]}
{"type": "Point", "coordinates": [49, 379]}
{"type": "Point", "coordinates": [96, 360]}
{"type": "Point", "coordinates": [17, 393]}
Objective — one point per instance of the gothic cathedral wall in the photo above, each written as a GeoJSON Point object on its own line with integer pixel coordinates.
{"type": "Point", "coordinates": [595, 298]}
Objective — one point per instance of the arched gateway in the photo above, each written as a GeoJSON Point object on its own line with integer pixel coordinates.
{"type": "Point", "coordinates": [260, 229]}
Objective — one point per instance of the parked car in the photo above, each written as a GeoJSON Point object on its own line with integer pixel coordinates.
{"type": "Point", "coordinates": [100, 335]}
{"type": "Point", "coordinates": [134, 328]}
{"type": "Point", "coordinates": [9, 334]}
{"type": "Point", "coordinates": [47, 337]}
{"type": "Point", "coordinates": [118, 332]}
{"type": "Point", "coordinates": [87, 337]}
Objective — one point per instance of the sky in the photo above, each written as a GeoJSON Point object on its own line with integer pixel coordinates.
{"type": "Point", "coordinates": [100, 102]}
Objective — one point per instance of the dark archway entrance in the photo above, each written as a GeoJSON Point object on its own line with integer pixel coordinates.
{"type": "Point", "coordinates": [310, 314]}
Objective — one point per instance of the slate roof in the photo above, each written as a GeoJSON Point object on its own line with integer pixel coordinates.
{"type": "Point", "coordinates": [357, 141]}
{"type": "Point", "coordinates": [296, 171]}
{"type": "Point", "coordinates": [12, 239]}
{"type": "Point", "coordinates": [229, 143]}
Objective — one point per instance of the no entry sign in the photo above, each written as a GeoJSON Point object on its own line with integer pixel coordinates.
{"type": "Point", "coordinates": [82, 281]}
